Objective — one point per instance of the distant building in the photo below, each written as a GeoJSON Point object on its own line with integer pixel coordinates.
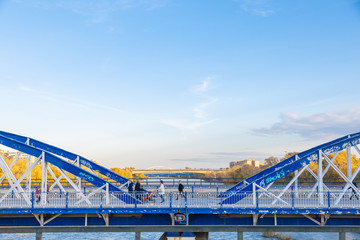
{"type": "Point", "coordinates": [22, 156]}
{"type": "Point", "coordinates": [252, 162]}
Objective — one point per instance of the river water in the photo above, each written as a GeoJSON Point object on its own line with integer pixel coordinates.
{"type": "Point", "coordinates": [155, 236]}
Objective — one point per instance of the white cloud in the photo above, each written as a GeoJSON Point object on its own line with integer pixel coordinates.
{"type": "Point", "coordinates": [96, 11]}
{"type": "Point", "coordinates": [200, 109]}
{"type": "Point", "coordinates": [257, 7]}
{"type": "Point", "coordinates": [67, 100]}
{"type": "Point", "coordinates": [224, 157]}
{"type": "Point", "coordinates": [187, 125]}
{"type": "Point", "coordinates": [322, 125]}
{"type": "Point", "coordinates": [26, 88]}
{"type": "Point", "coordinates": [200, 117]}
{"type": "Point", "coordinates": [206, 85]}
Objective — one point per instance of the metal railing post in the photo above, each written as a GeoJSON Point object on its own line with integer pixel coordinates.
{"type": "Point", "coordinates": [257, 200]}
{"type": "Point", "coordinates": [185, 200]}
{"type": "Point", "coordinates": [328, 193]}
{"type": "Point", "coordinates": [32, 199]}
{"type": "Point", "coordinates": [135, 199]}
{"type": "Point", "coordinates": [292, 199]}
{"type": "Point", "coordinates": [101, 199]}
{"type": "Point", "coordinates": [67, 200]}
{"type": "Point", "coordinates": [254, 194]}
{"type": "Point", "coordinates": [170, 199]}
{"type": "Point", "coordinates": [107, 196]}
{"type": "Point", "coordinates": [221, 198]}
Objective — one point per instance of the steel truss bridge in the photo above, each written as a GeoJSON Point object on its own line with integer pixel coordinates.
{"type": "Point", "coordinates": [255, 201]}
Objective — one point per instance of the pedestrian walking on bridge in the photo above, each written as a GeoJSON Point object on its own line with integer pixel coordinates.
{"type": "Point", "coordinates": [181, 191]}
{"type": "Point", "coordinates": [138, 190]}
{"type": "Point", "coordinates": [161, 190]}
{"type": "Point", "coordinates": [38, 195]}
{"type": "Point", "coordinates": [130, 187]}
{"type": "Point", "coordinates": [354, 193]}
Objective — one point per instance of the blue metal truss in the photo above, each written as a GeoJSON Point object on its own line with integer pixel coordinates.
{"type": "Point", "coordinates": [166, 210]}
{"type": "Point", "coordinates": [226, 216]}
{"type": "Point", "coordinates": [288, 166]}
{"type": "Point", "coordinates": [71, 168]}
{"type": "Point", "coordinates": [66, 154]}
{"type": "Point", "coordinates": [214, 214]}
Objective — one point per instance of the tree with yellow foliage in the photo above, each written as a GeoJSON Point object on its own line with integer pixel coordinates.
{"type": "Point", "coordinates": [20, 167]}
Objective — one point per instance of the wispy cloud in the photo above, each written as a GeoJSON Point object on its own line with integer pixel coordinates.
{"type": "Point", "coordinates": [244, 155]}
{"type": "Point", "coordinates": [322, 125]}
{"type": "Point", "coordinates": [200, 116]}
{"type": "Point", "coordinates": [100, 11]}
{"type": "Point", "coordinates": [206, 85]}
{"type": "Point", "coordinates": [187, 125]}
{"type": "Point", "coordinates": [199, 110]}
{"type": "Point", "coordinates": [95, 10]}
{"type": "Point", "coordinates": [194, 159]}
{"type": "Point", "coordinates": [223, 157]}
{"type": "Point", "coordinates": [66, 100]}
{"type": "Point", "coordinates": [257, 7]}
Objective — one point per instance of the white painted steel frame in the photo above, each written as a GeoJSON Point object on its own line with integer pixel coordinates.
{"type": "Point", "coordinates": [322, 157]}
{"type": "Point", "coordinates": [16, 188]}
{"type": "Point", "coordinates": [18, 181]}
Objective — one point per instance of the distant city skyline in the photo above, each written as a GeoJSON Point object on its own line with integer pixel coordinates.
{"type": "Point", "coordinates": [180, 83]}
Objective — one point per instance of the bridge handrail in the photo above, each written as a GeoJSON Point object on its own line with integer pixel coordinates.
{"type": "Point", "coordinates": [173, 200]}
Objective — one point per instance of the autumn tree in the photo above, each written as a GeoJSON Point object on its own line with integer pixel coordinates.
{"type": "Point", "coordinates": [288, 154]}
{"type": "Point", "coordinates": [270, 161]}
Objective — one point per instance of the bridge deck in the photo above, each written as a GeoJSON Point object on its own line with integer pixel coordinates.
{"type": "Point", "coordinates": [205, 202]}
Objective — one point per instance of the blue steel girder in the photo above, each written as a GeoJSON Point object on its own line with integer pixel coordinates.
{"type": "Point", "coordinates": [71, 168]}
{"type": "Point", "coordinates": [237, 187]}
{"type": "Point", "coordinates": [166, 210]}
{"type": "Point", "coordinates": [66, 154]}
{"type": "Point", "coordinates": [281, 170]}
{"type": "Point", "coordinates": [223, 217]}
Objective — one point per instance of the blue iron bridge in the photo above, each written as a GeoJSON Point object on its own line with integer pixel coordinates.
{"type": "Point", "coordinates": [254, 201]}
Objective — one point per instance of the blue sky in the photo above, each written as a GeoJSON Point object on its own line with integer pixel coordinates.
{"type": "Point", "coordinates": [180, 83]}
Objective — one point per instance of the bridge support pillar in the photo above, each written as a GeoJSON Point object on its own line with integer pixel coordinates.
{"type": "Point", "coordinates": [38, 235]}
{"type": "Point", "coordinates": [240, 235]}
{"type": "Point", "coordinates": [137, 235]}
{"type": "Point", "coordinates": [342, 235]}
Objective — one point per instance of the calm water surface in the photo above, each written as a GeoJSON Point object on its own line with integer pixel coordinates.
{"type": "Point", "coordinates": [155, 236]}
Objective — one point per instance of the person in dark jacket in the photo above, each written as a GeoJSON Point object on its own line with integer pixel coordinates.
{"type": "Point", "coordinates": [181, 190]}
{"type": "Point", "coordinates": [137, 185]}
{"type": "Point", "coordinates": [138, 189]}
{"type": "Point", "coordinates": [354, 194]}
{"type": "Point", "coordinates": [131, 187]}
